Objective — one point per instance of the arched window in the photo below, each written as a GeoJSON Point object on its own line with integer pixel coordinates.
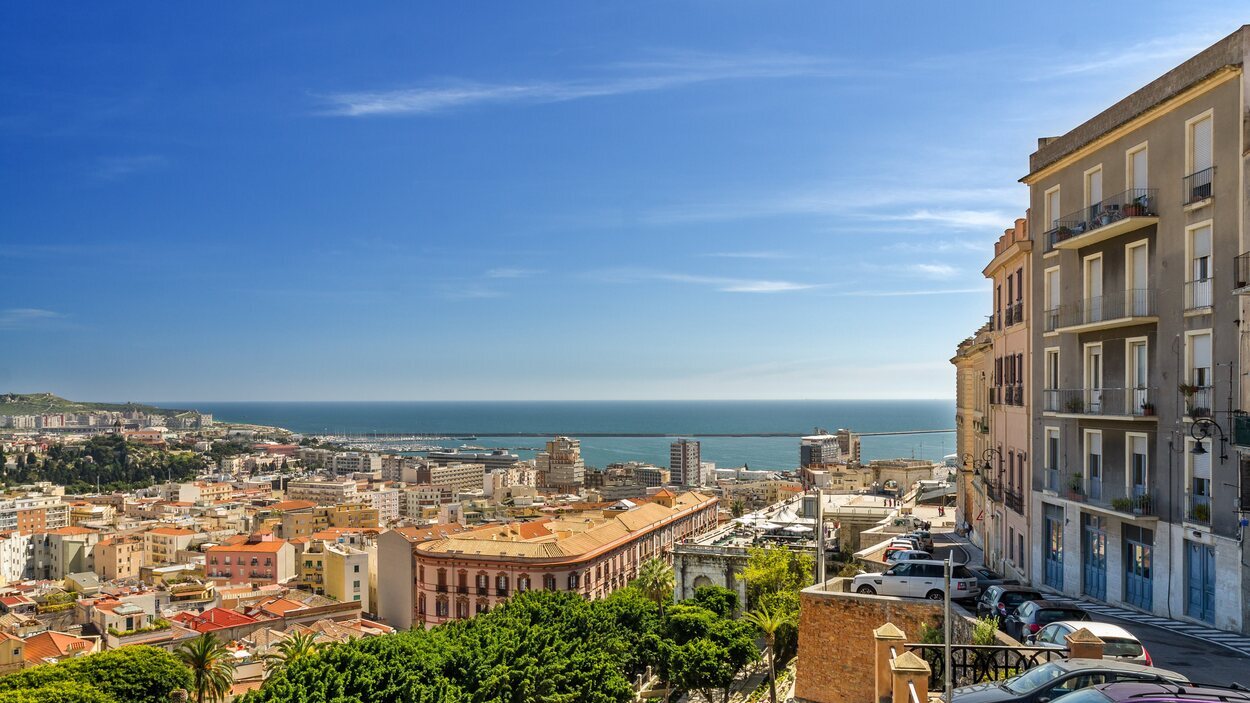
{"type": "Point", "coordinates": [481, 607]}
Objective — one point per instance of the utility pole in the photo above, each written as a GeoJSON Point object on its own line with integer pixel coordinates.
{"type": "Point", "coordinates": [946, 632]}
{"type": "Point", "coordinates": [820, 536]}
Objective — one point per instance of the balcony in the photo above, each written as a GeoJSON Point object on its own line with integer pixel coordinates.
{"type": "Point", "coordinates": [1013, 314]}
{"type": "Point", "coordinates": [1198, 509]}
{"type": "Point", "coordinates": [1198, 294]}
{"type": "Point", "coordinates": [1119, 309]}
{"type": "Point", "coordinates": [1118, 214]}
{"type": "Point", "coordinates": [1050, 479]}
{"type": "Point", "coordinates": [501, 592]}
{"type": "Point", "coordinates": [1198, 400]}
{"type": "Point", "coordinates": [1014, 500]}
{"type": "Point", "coordinates": [1121, 403]}
{"type": "Point", "coordinates": [1241, 430]}
{"type": "Point", "coordinates": [1137, 507]}
{"type": "Point", "coordinates": [1196, 187]}
{"type": "Point", "coordinates": [1241, 273]}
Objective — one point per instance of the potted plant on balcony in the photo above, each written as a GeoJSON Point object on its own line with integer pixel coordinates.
{"type": "Point", "coordinates": [1133, 209]}
{"type": "Point", "coordinates": [1141, 504]}
{"type": "Point", "coordinates": [1148, 409]}
{"type": "Point", "coordinates": [1124, 505]}
{"type": "Point", "coordinates": [1075, 405]}
{"type": "Point", "coordinates": [1201, 512]}
{"type": "Point", "coordinates": [1076, 484]}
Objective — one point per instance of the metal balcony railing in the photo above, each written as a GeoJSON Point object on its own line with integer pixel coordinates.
{"type": "Point", "coordinates": [1133, 402]}
{"type": "Point", "coordinates": [1198, 400]}
{"type": "Point", "coordinates": [1137, 302]}
{"type": "Point", "coordinates": [1013, 314]}
{"type": "Point", "coordinates": [1198, 294]}
{"type": "Point", "coordinates": [1014, 500]}
{"type": "Point", "coordinates": [1135, 202]}
{"type": "Point", "coordinates": [1241, 271]}
{"type": "Point", "coordinates": [1050, 319]}
{"type": "Point", "coordinates": [1241, 430]}
{"type": "Point", "coordinates": [1050, 479]}
{"type": "Point", "coordinates": [1196, 187]}
{"type": "Point", "coordinates": [1198, 508]}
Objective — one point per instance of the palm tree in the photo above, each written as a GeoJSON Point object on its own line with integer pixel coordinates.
{"type": "Point", "coordinates": [656, 580]}
{"type": "Point", "coordinates": [768, 621]}
{"type": "Point", "coordinates": [212, 667]}
{"type": "Point", "coordinates": [738, 507]}
{"type": "Point", "coordinates": [292, 648]}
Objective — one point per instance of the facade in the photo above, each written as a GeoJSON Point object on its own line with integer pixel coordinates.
{"type": "Point", "coordinates": [161, 545]}
{"type": "Point", "coordinates": [560, 465]}
{"type": "Point", "coordinates": [16, 557]}
{"type": "Point", "coordinates": [652, 476]}
{"type": "Point", "coordinates": [259, 559]}
{"type": "Point", "coordinates": [819, 450]}
{"type": "Point", "coordinates": [685, 463]}
{"type": "Point", "coordinates": [306, 521]}
{"type": "Point", "coordinates": [64, 551]}
{"type": "Point", "coordinates": [348, 463]}
{"type": "Point", "coordinates": [119, 557]}
{"type": "Point", "coordinates": [1006, 482]}
{"type": "Point", "coordinates": [592, 553]}
{"type": "Point", "coordinates": [1138, 221]}
{"type": "Point", "coordinates": [973, 362]}
{"type": "Point", "coordinates": [455, 475]}
{"type": "Point", "coordinates": [322, 492]}
{"type": "Point", "coordinates": [337, 570]}
{"type": "Point", "coordinates": [385, 501]}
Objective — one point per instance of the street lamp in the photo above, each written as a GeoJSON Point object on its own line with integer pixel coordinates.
{"type": "Point", "coordinates": [986, 468]}
{"type": "Point", "coordinates": [1200, 430]}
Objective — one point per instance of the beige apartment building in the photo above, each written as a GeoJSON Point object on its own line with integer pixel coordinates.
{"type": "Point", "coordinates": [162, 544]}
{"type": "Point", "coordinates": [1004, 469]}
{"type": "Point", "coordinates": [335, 569]}
{"type": "Point", "coordinates": [560, 465]}
{"type": "Point", "coordinates": [119, 557]}
{"type": "Point", "coordinates": [1138, 218]}
{"type": "Point", "coordinates": [323, 492]}
{"type": "Point", "coordinates": [973, 362]}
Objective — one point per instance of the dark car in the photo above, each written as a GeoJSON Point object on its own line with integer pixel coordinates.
{"type": "Point", "coordinates": [1158, 692]}
{"type": "Point", "coordinates": [987, 577]}
{"type": "Point", "coordinates": [1000, 601]}
{"type": "Point", "coordinates": [1032, 615]}
{"type": "Point", "coordinates": [1049, 681]}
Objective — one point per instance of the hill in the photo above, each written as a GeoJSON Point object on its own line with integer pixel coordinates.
{"type": "Point", "coordinates": [41, 403]}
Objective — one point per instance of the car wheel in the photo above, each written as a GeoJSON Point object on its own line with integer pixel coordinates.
{"type": "Point", "coordinates": [934, 595]}
{"type": "Point", "coordinates": [867, 590]}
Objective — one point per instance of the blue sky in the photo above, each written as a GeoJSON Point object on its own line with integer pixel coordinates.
{"type": "Point", "coordinates": [529, 200]}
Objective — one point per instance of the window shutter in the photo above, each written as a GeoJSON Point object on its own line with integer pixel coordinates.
{"type": "Point", "coordinates": [1202, 145]}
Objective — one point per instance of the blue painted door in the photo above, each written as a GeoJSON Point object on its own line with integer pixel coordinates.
{"type": "Point", "coordinates": [1138, 567]}
{"type": "Point", "coordinates": [1093, 557]}
{"type": "Point", "coordinates": [1200, 581]}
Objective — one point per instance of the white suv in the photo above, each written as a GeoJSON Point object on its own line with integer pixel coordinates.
{"type": "Point", "coordinates": [918, 579]}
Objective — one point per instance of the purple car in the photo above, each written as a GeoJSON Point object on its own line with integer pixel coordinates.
{"type": "Point", "coordinates": [1158, 692]}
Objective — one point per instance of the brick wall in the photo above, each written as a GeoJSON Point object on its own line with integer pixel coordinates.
{"type": "Point", "coordinates": [836, 647]}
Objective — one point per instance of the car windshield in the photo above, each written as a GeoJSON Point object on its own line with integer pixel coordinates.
{"type": "Point", "coordinates": [1120, 647]}
{"type": "Point", "coordinates": [1033, 679]}
{"type": "Point", "coordinates": [962, 572]}
{"type": "Point", "coordinates": [1049, 615]}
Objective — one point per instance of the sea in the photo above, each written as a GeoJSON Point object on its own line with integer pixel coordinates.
{"type": "Point", "coordinates": [523, 426]}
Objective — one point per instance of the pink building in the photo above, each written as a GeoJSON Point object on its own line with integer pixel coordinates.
{"type": "Point", "coordinates": [259, 559]}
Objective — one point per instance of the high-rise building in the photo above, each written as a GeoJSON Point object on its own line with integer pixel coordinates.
{"type": "Point", "coordinates": [684, 463]}
{"type": "Point", "coordinates": [560, 466]}
{"type": "Point", "coordinates": [819, 449]}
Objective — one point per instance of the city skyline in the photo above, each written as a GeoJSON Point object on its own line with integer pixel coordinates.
{"type": "Point", "coordinates": [668, 202]}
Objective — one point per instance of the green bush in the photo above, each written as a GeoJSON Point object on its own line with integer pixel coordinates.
{"type": "Point", "coordinates": [135, 674]}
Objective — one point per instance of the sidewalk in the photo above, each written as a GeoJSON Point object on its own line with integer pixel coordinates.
{"type": "Point", "coordinates": [1229, 640]}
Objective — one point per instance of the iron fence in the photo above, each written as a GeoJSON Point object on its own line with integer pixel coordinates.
{"type": "Point", "coordinates": [1197, 186]}
{"type": "Point", "coordinates": [1135, 302]}
{"type": "Point", "coordinates": [1198, 294]}
{"type": "Point", "coordinates": [1135, 202]}
{"type": "Point", "coordinates": [972, 663]}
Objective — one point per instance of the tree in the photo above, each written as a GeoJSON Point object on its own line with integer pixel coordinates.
{"type": "Point", "coordinates": [656, 580]}
{"type": "Point", "coordinates": [775, 569]}
{"type": "Point", "coordinates": [768, 622]}
{"type": "Point", "coordinates": [134, 674]}
{"type": "Point", "coordinates": [211, 665]}
{"type": "Point", "coordinates": [718, 599]}
{"type": "Point", "coordinates": [738, 507]}
{"type": "Point", "coordinates": [295, 647]}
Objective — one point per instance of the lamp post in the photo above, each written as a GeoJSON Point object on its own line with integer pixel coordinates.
{"type": "Point", "coordinates": [1200, 430]}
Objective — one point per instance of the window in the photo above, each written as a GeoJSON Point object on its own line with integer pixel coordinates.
{"type": "Point", "coordinates": [1052, 459]}
{"type": "Point", "coordinates": [1093, 464]}
{"type": "Point", "coordinates": [1199, 482]}
{"type": "Point", "coordinates": [356, 585]}
{"type": "Point", "coordinates": [549, 582]}
{"type": "Point", "coordinates": [1093, 191]}
{"type": "Point", "coordinates": [1137, 170]}
{"type": "Point", "coordinates": [356, 568]}
{"type": "Point", "coordinates": [1050, 284]}
{"type": "Point", "coordinates": [1011, 544]}
{"type": "Point", "coordinates": [1051, 205]}
{"type": "Point", "coordinates": [1201, 154]}
{"type": "Point", "coordinates": [1138, 466]}
{"type": "Point", "coordinates": [1198, 394]}
{"type": "Point", "coordinates": [1198, 288]}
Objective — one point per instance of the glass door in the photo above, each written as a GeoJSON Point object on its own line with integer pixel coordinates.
{"type": "Point", "coordinates": [1094, 557]}
{"type": "Point", "coordinates": [1139, 378]}
{"type": "Point", "coordinates": [1138, 567]}
{"type": "Point", "coordinates": [1138, 468]}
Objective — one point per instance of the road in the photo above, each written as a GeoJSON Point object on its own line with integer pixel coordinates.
{"type": "Point", "coordinates": [1200, 661]}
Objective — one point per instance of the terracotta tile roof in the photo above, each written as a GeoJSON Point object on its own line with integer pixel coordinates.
{"type": "Point", "coordinates": [12, 601]}
{"type": "Point", "coordinates": [422, 534]}
{"type": "Point", "coordinates": [280, 606]}
{"type": "Point", "coordinates": [213, 619]}
{"type": "Point", "coordinates": [54, 645]}
{"type": "Point", "coordinates": [171, 531]}
{"type": "Point", "coordinates": [71, 530]}
{"type": "Point", "coordinates": [289, 505]}
{"type": "Point", "coordinates": [265, 546]}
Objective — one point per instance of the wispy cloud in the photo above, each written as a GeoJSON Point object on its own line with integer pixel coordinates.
{"type": "Point", "coordinates": [23, 318]}
{"type": "Point", "coordinates": [723, 284]}
{"type": "Point", "coordinates": [507, 272]}
{"type": "Point", "coordinates": [1170, 48]}
{"type": "Point", "coordinates": [621, 78]}
{"type": "Point", "coordinates": [959, 219]}
{"type": "Point", "coordinates": [942, 246]}
{"type": "Point", "coordinates": [934, 270]}
{"type": "Point", "coordinates": [114, 168]}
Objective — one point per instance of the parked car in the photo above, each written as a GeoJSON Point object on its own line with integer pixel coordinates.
{"type": "Point", "coordinates": [1159, 692]}
{"type": "Point", "coordinates": [918, 579]}
{"type": "Point", "coordinates": [1118, 643]}
{"type": "Point", "coordinates": [911, 542]}
{"type": "Point", "coordinates": [1032, 615]}
{"type": "Point", "coordinates": [924, 537]}
{"type": "Point", "coordinates": [987, 577]}
{"type": "Point", "coordinates": [893, 555]}
{"type": "Point", "coordinates": [1046, 682]}
{"type": "Point", "coordinates": [1001, 601]}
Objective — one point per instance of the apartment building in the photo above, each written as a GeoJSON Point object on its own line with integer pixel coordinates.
{"type": "Point", "coordinates": [384, 500]}
{"type": "Point", "coordinates": [36, 513]}
{"type": "Point", "coordinates": [685, 463]}
{"type": "Point", "coordinates": [418, 499]}
{"type": "Point", "coordinates": [560, 465]}
{"type": "Point", "coordinates": [119, 557]}
{"type": "Point", "coordinates": [162, 544]}
{"type": "Point", "coordinates": [455, 475]}
{"type": "Point", "coordinates": [652, 476]}
{"type": "Point", "coordinates": [819, 449]}
{"type": "Point", "coordinates": [348, 463]}
{"type": "Point", "coordinates": [335, 569]}
{"type": "Point", "coordinates": [259, 559]}
{"type": "Point", "coordinates": [16, 557]}
{"type": "Point", "coordinates": [1003, 466]}
{"type": "Point", "coordinates": [63, 551]}
{"type": "Point", "coordinates": [1138, 219]}
{"type": "Point", "coordinates": [322, 492]}
{"type": "Point", "coordinates": [974, 364]}
{"type": "Point", "coordinates": [306, 521]}
{"type": "Point", "coordinates": [429, 579]}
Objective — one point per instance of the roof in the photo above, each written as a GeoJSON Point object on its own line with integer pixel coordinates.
{"type": "Point", "coordinates": [288, 505]}
{"type": "Point", "coordinates": [280, 606]}
{"type": "Point", "coordinates": [213, 619]}
{"type": "Point", "coordinates": [571, 535]}
{"type": "Point", "coordinates": [264, 546]}
{"type": "Point", "coordinates": [423, 534]}
{"type": "Point", "coordinates": [47, 646]}
{"type": "Point", "coordinates": [171, 531]}
{"type": "Point", "coordinates": [71, 530]}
